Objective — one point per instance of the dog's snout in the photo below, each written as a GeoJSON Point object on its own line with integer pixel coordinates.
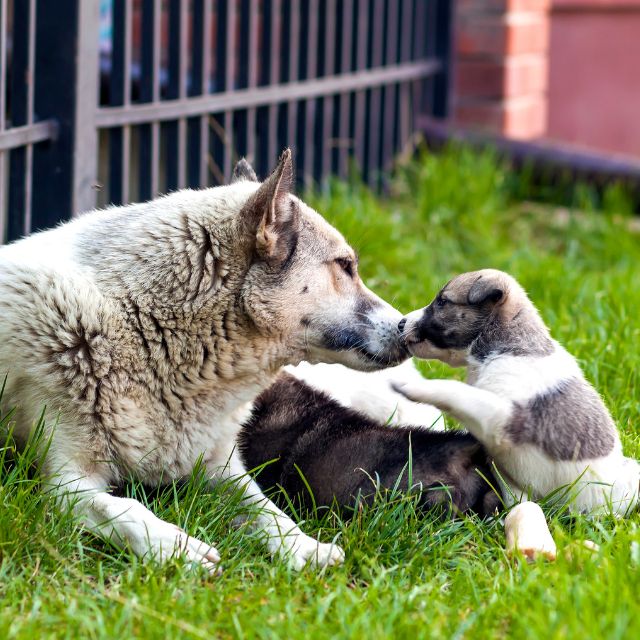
{"type": "Point", "coordinates": [402, 324]}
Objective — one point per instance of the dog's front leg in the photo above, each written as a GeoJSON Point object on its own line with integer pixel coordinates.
{"type": "Point", "coordinates": [282, 534]}
{"type": "Point", "coordinates": [127, 522]}
{"type": "Point", "coordinates": [482, 412]}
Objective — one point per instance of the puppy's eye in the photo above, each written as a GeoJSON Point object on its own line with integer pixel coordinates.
{"type": "Point", "coordinates": [347, 265]}
{"type": "Point", "coordinates": [440, 301]}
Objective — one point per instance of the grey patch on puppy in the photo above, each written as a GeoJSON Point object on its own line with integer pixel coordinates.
{"type": "Point", "coordinates": [543, 421]}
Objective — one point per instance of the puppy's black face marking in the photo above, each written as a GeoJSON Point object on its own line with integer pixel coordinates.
{"type": "Point", "coordinates": [452, 324]}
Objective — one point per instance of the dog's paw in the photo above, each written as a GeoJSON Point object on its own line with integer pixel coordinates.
{"type": "Point", "coordinates": [165, 541]}
{"type": "Point", "coordinates": [302, 551]}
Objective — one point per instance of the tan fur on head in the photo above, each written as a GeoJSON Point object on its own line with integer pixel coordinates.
{"type": "Point", "coordinates": [488, 286]}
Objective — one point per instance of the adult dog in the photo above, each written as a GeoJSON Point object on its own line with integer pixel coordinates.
{"type": "Point", "coordinates": [145, 330]}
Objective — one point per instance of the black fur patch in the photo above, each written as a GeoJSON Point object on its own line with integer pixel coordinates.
{"type": "Point", "coordinates": [567, 423]}
{"type": "Point", "coordinates": [339, 450]}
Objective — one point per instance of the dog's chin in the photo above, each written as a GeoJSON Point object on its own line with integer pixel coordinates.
{"type": "Point", "coordinates": [426, 350]}
{"type": "Point", "coordinates": [360, 359]}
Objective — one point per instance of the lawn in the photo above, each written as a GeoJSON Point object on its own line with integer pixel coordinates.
{"type": "Point", "coordinates": [404, 575]}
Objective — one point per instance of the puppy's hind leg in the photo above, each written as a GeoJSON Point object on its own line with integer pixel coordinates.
{"type": "Point", "coordinates": [127, 522]}
{"type": "Point", "coordinates": [483, 413]}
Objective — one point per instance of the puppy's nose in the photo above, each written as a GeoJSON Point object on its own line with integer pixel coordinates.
{"type": "Point", "coordinates": [402, 324]}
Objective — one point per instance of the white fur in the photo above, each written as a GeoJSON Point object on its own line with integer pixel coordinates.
{"type": "Point", "coordinates": [527, 532]}
{"type": "Point", "coordinates": [371, 392]}
{"type": "Point", "coordinates": [520, 378]}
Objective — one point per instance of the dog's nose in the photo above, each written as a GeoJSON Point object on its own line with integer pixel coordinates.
{"type": "Point", "coordinates": [402, 324]}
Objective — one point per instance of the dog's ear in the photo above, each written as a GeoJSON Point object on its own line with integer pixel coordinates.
{"type": "Point", "coordinates": [274, 214]}
{"type": "Point", "coordinates": [243, 171]}
{"type": "Point", "coordinates": [486, 290]}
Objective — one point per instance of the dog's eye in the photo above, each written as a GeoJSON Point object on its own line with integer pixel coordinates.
{"type": "Point", "coordinates": [440, 301]}
{"type": "Point", "coordinates": [347, 265]}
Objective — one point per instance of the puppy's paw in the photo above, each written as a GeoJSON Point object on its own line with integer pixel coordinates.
{"type": "Point", "coordinates": [413, 391]}
{"type": "Point", "coordinates": [527, 533]}
{"type": "Point", "coordinates": [302, 550]}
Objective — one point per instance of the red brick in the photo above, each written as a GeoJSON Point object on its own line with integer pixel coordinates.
{"type": "Point", "coordinates": [522, 118]}
{"type": "Point", "coordinates": [487, 115]}
{"type": "Point", "coordinates": [501, 6]}
{"type": "Point", "coordinates": [484, 78]}
{"type": "Point", "coordinates": [495, 36]}
{"type": "Point", "coordinates": [511, 77]}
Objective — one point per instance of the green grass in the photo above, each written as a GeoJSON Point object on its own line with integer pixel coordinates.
{"type": "Point", "coordinates": [404, 576]}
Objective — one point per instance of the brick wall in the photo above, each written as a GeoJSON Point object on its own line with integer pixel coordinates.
{"type": "Point", "coordinates": [501, 66]}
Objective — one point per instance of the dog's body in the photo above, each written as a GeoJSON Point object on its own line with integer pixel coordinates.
{"type": "Point", "coordinates": [147, 330]}
{"type": "Point", "coordinates": [324, 454]}
{"type": "Point", "coordinates": [526, 400]}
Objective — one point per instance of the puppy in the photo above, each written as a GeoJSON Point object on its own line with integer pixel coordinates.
{"type": "Point", "coordinates": [526, 398]}
{"type": "Point", "coordinates": [326, 454]}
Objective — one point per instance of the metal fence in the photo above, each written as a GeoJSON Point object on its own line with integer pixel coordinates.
{"type": "Point", "coordinates": [110, 101]}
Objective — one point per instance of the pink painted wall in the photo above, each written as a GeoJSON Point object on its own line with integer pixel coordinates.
{"type": "Point", "coordinates": [594, 74]}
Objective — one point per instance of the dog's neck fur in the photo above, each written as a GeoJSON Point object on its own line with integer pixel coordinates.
{"type": "Point", "coordinates": [195, 332]}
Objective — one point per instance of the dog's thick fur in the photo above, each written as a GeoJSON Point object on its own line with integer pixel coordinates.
{"type": "Point", "coordinates": [147, 330]}
{"type": "Point", "coordinates": [323, 453]}
{"type": "Point", "coordinates": [526, 399]}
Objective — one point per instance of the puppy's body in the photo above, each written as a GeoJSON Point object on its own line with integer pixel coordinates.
{"type": "Point", "coordinates": [526, 399]}
{"type": "Point", "coordinates": [313, 442]}
{"type": "Point", "coordinates": [146, 330]}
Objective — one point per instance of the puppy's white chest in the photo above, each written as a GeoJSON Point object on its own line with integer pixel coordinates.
{"type": "Point", "coordinates": [519, 378]}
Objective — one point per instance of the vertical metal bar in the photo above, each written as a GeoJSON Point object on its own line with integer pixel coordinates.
{"type": "Point", "coordinates": [408, 12]}
{"type": "Point", "coordinates": [345, 98]}
{"type": "Point", "coordinates": [28, 169]}
{"type": "Point", "coordinates": [254, 15]}
{"type": "Point", "coordinates": [375, 124]}
{"type": "Point", "coordinates": [126, 80]}
{"type": "Point", "coordinates": [172, 128]}
{"type": "Point", "coordinates": [362, 33]}
{"type": "Point", "coordinates": [329, 68]}
{"type": "Point", "coordinates": [230, 57]}
{"type": "Point", "coordinates": [147, 70]}
{"type": "Point", "coordinates": [294, 52]}
{"type": "Point", "coordinates": [274, 76]}
{"type": "Point", "coordinates": [206, 75]}
{"type": "Point", "coordinates": [182, 92]}
{"type": "Point", "coordinates": [310, 105]}
{"type": "Point", "coordinates": [390, 117]}
{"type": "Point", "coordinates": [3, 90]}
{"type": "Point", "coordinates": [86, 140]}
{"type": "Point", "coordinates": [18, 216]}
{"type": "Point", "coordinates": [116, 98]}
{"type": "Point", "coordinates": [155, 126]}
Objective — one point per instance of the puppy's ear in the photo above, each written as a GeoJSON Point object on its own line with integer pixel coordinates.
{"type": "Point", "coordinates": [274, 214]}
{"type": "Point", "coordinates": [243, 171]}
{"type": "Point", "coordinates": [486, 290]}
